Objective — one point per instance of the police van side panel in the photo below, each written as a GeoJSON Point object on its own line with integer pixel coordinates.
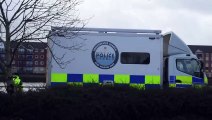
{"type": "Point", "coordinates": [130, 59]}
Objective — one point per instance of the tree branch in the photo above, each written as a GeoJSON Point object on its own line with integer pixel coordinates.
{"type": "Point", "coordinates": [31, 20]}
{"type": "Point", "coordinates": [2, 12]}
{"type": "Point", "coordinates": [7, 8]}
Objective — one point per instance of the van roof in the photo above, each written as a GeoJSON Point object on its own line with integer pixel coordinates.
{"type": "Point", "coordinates": [108, 30]}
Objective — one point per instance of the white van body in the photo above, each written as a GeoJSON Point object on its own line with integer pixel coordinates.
{"type": "Point", "coordinates": [120, 56]}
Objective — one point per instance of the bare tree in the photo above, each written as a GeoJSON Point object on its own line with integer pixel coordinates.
{"type": "Point", "coordinates": [31, 20]}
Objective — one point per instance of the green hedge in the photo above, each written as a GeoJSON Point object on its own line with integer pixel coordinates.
{"type": "Point", "coordinates": [107, 103]}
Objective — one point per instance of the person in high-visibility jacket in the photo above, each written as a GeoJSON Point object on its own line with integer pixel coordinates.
{"type": "Point", "coordinates": [17, 83]}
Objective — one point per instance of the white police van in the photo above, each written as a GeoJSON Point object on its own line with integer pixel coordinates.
{"type": "Point", "coordinates": [138, 58]}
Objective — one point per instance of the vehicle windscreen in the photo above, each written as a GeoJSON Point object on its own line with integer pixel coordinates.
{"type": "Point", "coordinates": [188, 66]}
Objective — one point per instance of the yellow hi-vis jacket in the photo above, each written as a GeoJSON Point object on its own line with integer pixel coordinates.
{"type": "Point", "coordinates": [17, 81]}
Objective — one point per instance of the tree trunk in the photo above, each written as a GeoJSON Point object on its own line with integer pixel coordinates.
{"type": "Point", "coordinates": [8, 70]}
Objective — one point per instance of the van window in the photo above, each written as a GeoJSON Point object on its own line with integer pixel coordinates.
{"type": "Point", "coordinates": [188, 66]}
{"type": "Point", "coordinates": [135, 58]}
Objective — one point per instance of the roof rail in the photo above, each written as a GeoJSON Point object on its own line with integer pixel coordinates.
{"type": "Point", "coordinates": [107, 30]}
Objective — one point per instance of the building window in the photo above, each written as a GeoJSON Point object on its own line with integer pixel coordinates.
{"type": "Point", "coordinates": [207, 58]}
{"type": "Point", "coordinates": [36, 56]}
{"type": "Point", "coordinates": [42, 69]}
{"type": "Point", "coordinates": [29, 63]}
{"type": "Point", "coordinates": [42, 56]}
{"type": "Point", "coordinates": [206, 65]}
{"type": "Point", "coordinates": [1, 49]}
{"type": "Point", "coordinates": [21, 50]}
{"type": "Point", "coordinates": [29, 57]}
{"type": "Point", "coordinates": [42, 50]}
{"type": "Point", "coordinates": [29, 51]}
{"type": "Point", "coordinates": [36, 62]}
{"type": "Point", "coordinates": [206, 69]}
{"type": "Point", "coordinates": [21, 57]}
{"type": "Point", "coordinates": [14, 69]}
{"type": "Point", "coordinates": [36, 50]}
{"type": "Point", "coordinates": [13, 63]}
{"type": "Point", "coordinates": [199, 56]}
{"type": "Point", "coordinates": [28, 69]}
{"type": "Point", "coordinates": [135, 58]}
{"type": "Point", "coordinates": [2, 56]}
{"type": "Point", "coordinates": [207, 54]}
{"type": "Point", "coordinates": [20, 63]}
{"type": "Point", "coordinates": [41, 63]}
{"type": "Point", "coordinates": [209, 75]}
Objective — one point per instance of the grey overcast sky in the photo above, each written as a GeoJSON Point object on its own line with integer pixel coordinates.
{"type": "Point", "coordinates": [191, 20]}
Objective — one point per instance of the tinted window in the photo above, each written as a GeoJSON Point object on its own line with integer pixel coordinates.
{"type": "Point", "coordinates": [135, 58]}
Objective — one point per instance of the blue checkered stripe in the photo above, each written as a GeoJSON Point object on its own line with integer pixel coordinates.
{"type": "Point", "coordinates": [134, 79]}
{"type": "Point", "coordinates": [195, 81]}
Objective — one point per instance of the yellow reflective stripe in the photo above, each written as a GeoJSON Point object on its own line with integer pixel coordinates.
{"type": "Point", "coordinates": [184, 79]}
{"type": "Point", "coordinates": [172, 85]}
{"type": "Point", "coordinates": [152, 79]}
{"type": "Point", "coordinates": [205, 79]}
{"type": "Point", "coordinates": [90, 78]}
{"type": "Point", "coordinates": [122, 79]}
{"type": "Point", "coordinates": [138, 86]}
{"type": "Point", "coordinates": [75, 84]}
{"type": "Point", "coordinates": [58, 77]}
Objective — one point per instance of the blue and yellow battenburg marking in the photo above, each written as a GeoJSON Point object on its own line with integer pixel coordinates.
{"type": "Point", "coordinates": [186, 81]}
{"type": "Point", "coordinates": [136, 81]}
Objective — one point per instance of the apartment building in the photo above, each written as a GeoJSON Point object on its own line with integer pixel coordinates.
{"type": "Point", "coordinates": [29, 59]}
